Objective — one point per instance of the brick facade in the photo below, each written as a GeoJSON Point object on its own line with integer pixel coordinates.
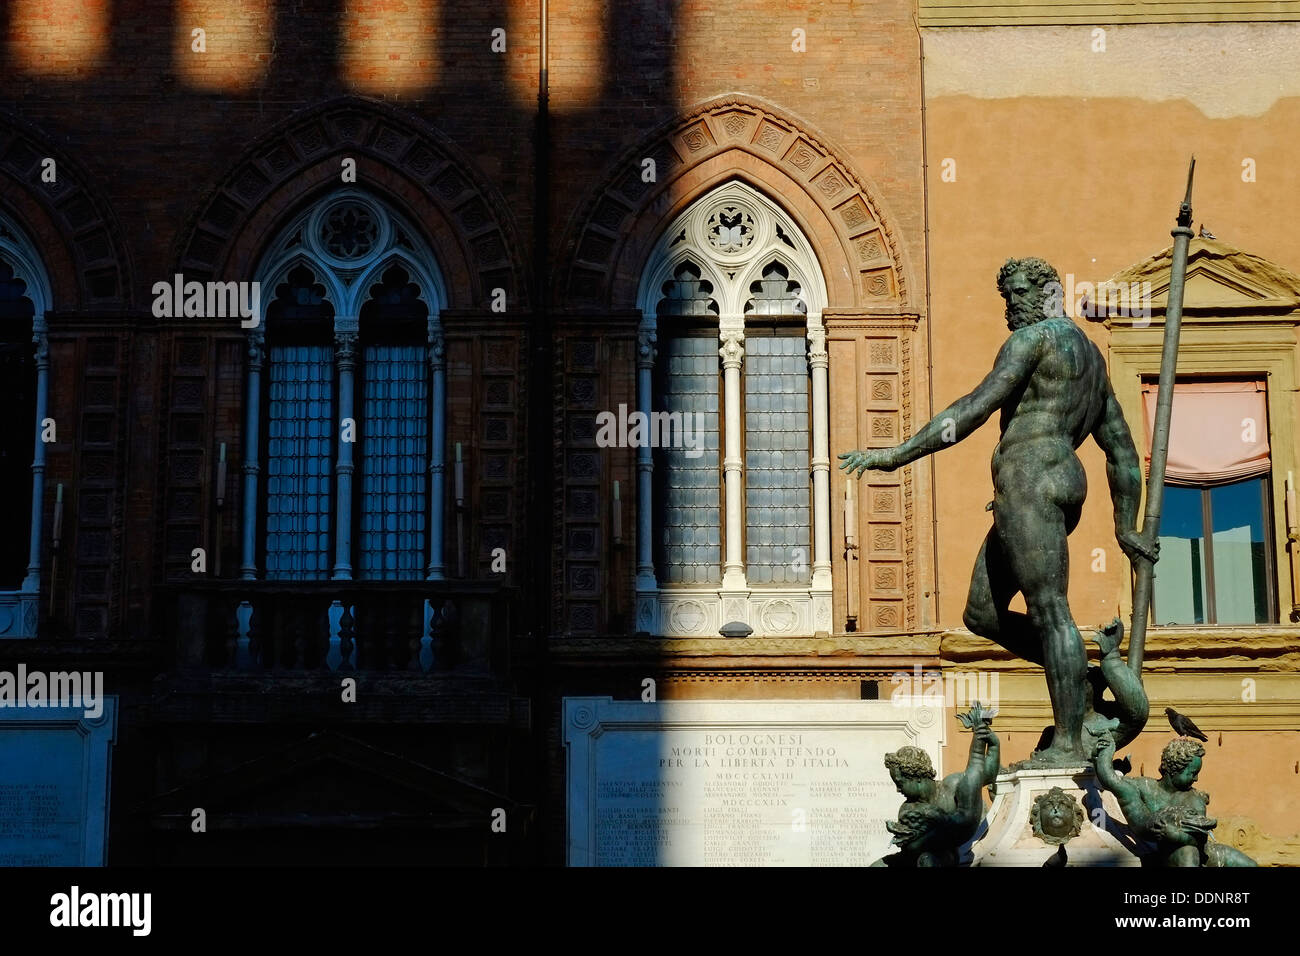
{"type": "Point", "coordinates": [175, 161]}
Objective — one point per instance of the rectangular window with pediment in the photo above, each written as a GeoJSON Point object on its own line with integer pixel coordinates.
{"type": "Point", "coordinates": [1229, 497]}
{"type": "Point", "coordinates": [1216, 530]}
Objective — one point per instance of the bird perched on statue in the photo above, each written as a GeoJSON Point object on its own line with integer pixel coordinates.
{"type": "Point", "coordinates": [1183, 726]}
{"type": "Point", "coordinates": [1205, 233]}
{"type": "Point", "coordinates": [1057, 859]}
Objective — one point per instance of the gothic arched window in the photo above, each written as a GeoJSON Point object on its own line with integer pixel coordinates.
{"type": "Point", "coordinates": [688, 492]}
{"type": "Point", "coordinates": [733, 515]}
{"type": "Point", "coordinates": [300, 429]}
{"type": "Point", "coordinates": [354, 406]}
{"type": "Point", "coordinates": [24, 390]}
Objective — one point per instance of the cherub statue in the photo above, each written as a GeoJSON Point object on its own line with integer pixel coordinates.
{"type": "Point", "coordinates": [938, 817]}
{"type": "Point", "coordinates": [1168, 812]}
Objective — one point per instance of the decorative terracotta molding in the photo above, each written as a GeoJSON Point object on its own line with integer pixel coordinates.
{"type": "Point", "coordinates": [288, 161]}
{"type": "Point", "coordinates": [85, 231]}
{"type": "Point", "coordinates": [853, 210]}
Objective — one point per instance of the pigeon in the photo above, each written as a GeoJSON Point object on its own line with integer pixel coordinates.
{"type": "Point", "coordinates": [1045, 739]}
{"type": "Point", "coordinates": [1205, 233]}
{"type": "Point", "coordinates": [1183, 726]}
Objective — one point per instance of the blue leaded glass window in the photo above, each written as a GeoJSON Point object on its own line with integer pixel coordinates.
{"type": "Point", "coordinates": [730, 296]}
{"type": "Point", "coordinates": [299, 462]}
{"type": "Point", "coordinates": [690, 549]}
{"type": "Point", "coordinates": [775, 294]}
{"type": "Point", "coordinates": [778, 509]}
{"type": "Point", "coordinates": [395, 447]}
{"type": "Point", "coordinates": [349, 327]}
{"type": "Point", "coordinates": [18, 392]}
{"type": "Point", "coordinates": [686, 294]}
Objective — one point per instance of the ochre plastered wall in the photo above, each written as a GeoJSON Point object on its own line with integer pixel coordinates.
{"type": "Point", "coordinates": [1088, 178]}
{"type": "Point", "coordinates": [1080, 157]}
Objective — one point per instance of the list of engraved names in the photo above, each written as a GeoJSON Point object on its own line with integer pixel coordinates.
{"type": "Point", "coordinates": [797, 797]}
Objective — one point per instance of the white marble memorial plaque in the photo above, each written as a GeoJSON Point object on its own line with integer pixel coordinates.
{"type": "Point", "coordinates": [54, 784]}
{"type": "Point", "coordinates": [736, 783]}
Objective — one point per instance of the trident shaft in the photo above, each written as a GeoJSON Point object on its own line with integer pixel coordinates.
{"type": "Point", "coordinates": [1182, 234]}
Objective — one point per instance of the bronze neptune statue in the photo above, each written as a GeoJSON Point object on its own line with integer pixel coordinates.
{"type": "Point", "coordinates": [1050, 385]}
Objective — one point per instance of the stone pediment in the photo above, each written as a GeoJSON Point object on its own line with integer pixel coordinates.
{"type": "Point", "coordinates": [330, 779]}
{"type": "Point", "coordinates": [1222, 281]}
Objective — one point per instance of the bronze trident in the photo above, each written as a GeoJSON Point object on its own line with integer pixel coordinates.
{"type": "Point", "coordinates": [1182, 234]}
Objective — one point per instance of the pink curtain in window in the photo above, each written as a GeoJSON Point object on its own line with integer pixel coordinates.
{"type": "Point", "coordinates": [1218, 432]}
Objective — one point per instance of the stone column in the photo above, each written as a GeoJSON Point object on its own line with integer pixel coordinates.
{"type": "Point", "coordinates": [819, 361]}
{"type": "Point", "coordinates": [645, 570]}
{"type": "Point", "coordinates": [32, 582]}
{"type": "Point", "coordinates": [732, 336]}
{"type": "Point", "coordinates": [252, 421]}
{"type": "Point", "coordinates": [345, 358]}
{"type": "Point", "coordinates": [437, 448]}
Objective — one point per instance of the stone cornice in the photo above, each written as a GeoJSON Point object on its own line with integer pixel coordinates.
{"type": "Point", "coordinates": [953, 13]}
{"type": "Point", "coordinates": [1251, 648]}
{"type": "Point", "coordinates": [853, 651]}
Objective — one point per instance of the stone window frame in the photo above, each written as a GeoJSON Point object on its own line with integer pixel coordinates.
{"type": "Point", "coordinates": [680, 610]}
{"type": "Point", "coordinates": [347, 287]}
{"type": "Point", "coordinates": [23, 605]}
{"type": "Point", "coordinates": [1212, 346]}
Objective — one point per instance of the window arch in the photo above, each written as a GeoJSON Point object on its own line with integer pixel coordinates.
{"type": "Point", "coordinates": [733, 524]}
{"type": "Point", "coordinates": [352, 352]}
{"type": "Point", "coordinates": [24, 388]}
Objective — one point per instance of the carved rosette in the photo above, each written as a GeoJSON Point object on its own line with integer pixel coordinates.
{"type": "Point", "coordinates": [688, 617]}
{"type": "Point", "coordinates": [779, 617]}
{"type": "Point", "coordinates": [583, 717]}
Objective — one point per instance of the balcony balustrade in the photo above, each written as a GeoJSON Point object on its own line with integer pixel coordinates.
{"type": "Point", "coordinates": [280, 627]}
